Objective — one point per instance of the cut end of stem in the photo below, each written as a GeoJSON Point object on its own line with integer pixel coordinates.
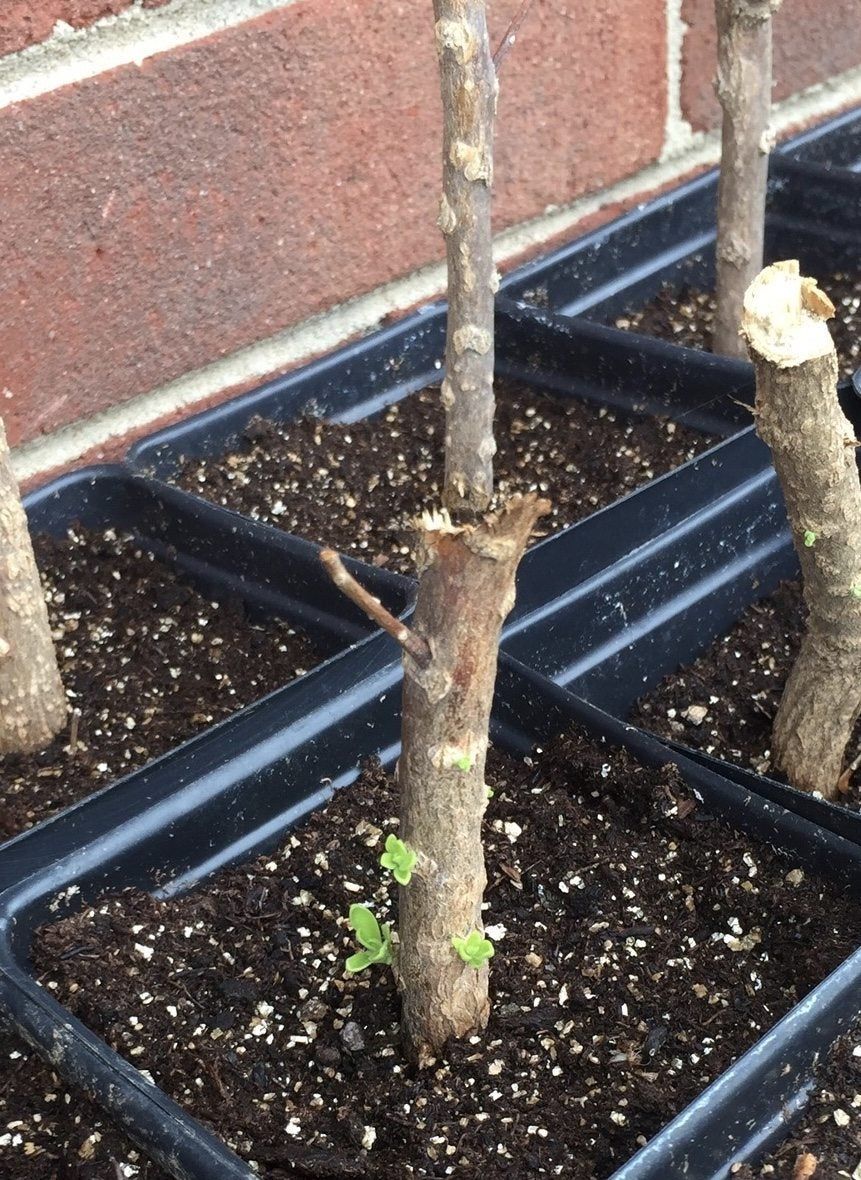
{"type": "Point", "coordinates": [785, 315]}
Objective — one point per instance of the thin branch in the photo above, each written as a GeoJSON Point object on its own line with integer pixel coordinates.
{"type": "Point", "coordinates": [417, 647]}
{"type": "Point", "coordinates": [511, 34]}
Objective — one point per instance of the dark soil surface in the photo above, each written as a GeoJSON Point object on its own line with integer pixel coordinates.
{"type": "Point", "coordinates": [725, 702]}
{"type": "Point", "coordinates": [830, 1127]}
{"type": "Point", "coordinates": [687, 318]}
{"type": "Point", "coordinates": [356, 487]}
{"type": "Point", "coordinates": [641, 947]}
{"type": "Point", "coordinates": [147, 662]}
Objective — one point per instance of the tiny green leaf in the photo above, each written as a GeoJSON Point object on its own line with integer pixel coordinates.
{"type": "Point", "coordinates": [855, 591]}
{"type": "Point", "coordinates": [375, 938]}
{"type": "Point", "coordinates": [366, 926]}
{"type": "Point", "coordinates": [399, 859]}
{"type": "Point", "coordinates": [359, 961]}
{"type": "Point", "coordinates": [474, 950]}
{"type": "Point", "coordinates": [489, 791]}
{"type": "Point", "coordinates": [385, 952]}
{"type": "Point", "coordinates": [809, 538]}
{"type": "Point", "coordinates": [464, 762]}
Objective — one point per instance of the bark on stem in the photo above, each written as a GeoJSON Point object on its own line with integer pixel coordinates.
{"type": "Point", "coordinates": [465, 592]}
{"type": "Point", "coordinates": [32, 700]}
{"type": "Point", "coordinates": [744, 30]}
{"type": "Point", "coordinates": [468, 83]}
{"type": "Point", "coordinates": [799, 417]}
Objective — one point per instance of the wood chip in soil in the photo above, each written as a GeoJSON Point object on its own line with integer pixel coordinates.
{"type": "Point", "coordinates": [641, 947]}
{"type": "Point", "coordinates": [828, 1133]}
{"type": "Point", "coordinates": [686, 317]}
{"type": "Point", "coordinates": [146, 661]}
{"type": "Point", "coordinates": [356, 487]}
{"type": "Point", "coordinates": [724, 703]}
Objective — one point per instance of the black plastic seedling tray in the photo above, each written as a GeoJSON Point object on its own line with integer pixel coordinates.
{"type": "Point", "coordinates": [620, 267]}
{"type": "Point", "coordinates": [607, 607]}
{"type": "Point", "coordinates": [834, 146]}
{"type": "Point", "coordinates": [236, 790]}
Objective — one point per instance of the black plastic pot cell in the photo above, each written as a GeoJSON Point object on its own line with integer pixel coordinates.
{"type": "Point", "coordinates": [235, 562]}
{"type": "Point", "coordinates": [564, 359]}
{"type": "Point", "coordinates": [577, 358]}
{"type": "Point", "coordinates": [670, 241]}
{"type": "Point", "coordinates": [221, 553]}
{"type": "Point", "coordinates": [239, 787]}
{"type": "Point", "coordinates": [619, 600]}
{"type": "Point", "coordinates": [611, 605]}
{"type": "Point", "coordinates": [349, 384]}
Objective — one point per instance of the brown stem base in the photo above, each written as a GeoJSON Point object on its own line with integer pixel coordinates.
{"type": "Point", "coordinates": [817, 714]}
{"type": "Point", "coordinates": [465, 592]}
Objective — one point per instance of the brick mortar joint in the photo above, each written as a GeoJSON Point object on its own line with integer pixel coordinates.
{"type": "Point", "coordinates": [678, 132]}
{"type": "Point", "coordinates": [128, 37]}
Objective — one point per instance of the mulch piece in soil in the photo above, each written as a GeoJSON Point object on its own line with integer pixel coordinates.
{"type": "Point", "coordinates": [724, 703]}
{"type": "Point", "coordinates": [686, 317]}
{"type": "Point", "coordinates": [641, 947]}
{"type": "Point", "coordinates": [356, 487]}
{"type": "Point", "coordinates": [830, 1127]}
{"type": "Point", "coordinates": [145, 659]}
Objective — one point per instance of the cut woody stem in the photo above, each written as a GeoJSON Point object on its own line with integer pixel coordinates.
{"type": "Point", "coordinates": [466, 585]}
{"type": "Point", "coordinates": [466, 590]}
{"type": "Point", "coordinates": [798, 416]}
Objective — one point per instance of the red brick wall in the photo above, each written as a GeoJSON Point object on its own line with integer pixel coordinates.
{"type": "Point", "coordinates": [158, 217]}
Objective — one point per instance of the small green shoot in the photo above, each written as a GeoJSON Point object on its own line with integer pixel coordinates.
{"type": "Point", "coordinates": [376, 939]}
{"type": "Point", "coordinates": [465, 762]}
{"type": "Point", "coordinates": [855, 591]}
{"type": "Point", "coordinates": [400, 859]}
{"type": "Point", "coordinates": [490, 791]}
{"type": "Point", "coordinates": [809, 538]}
{"type": "Point", "coordinates": [475, 949]}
